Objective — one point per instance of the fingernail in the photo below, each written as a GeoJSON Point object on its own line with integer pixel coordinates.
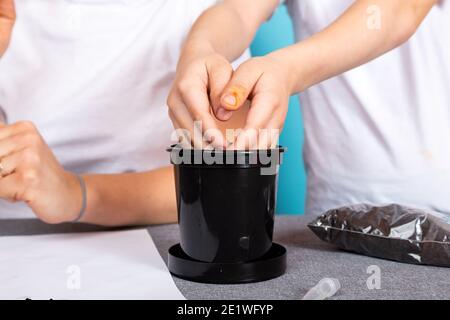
{"type": "Point", "coordinates": [230, 100]}
{"type": "Point", "coordinates": [223, 114]}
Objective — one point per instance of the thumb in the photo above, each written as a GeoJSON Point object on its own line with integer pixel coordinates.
{"type": "Point", "coordinates": [7, 19]}
{"type": "Point", "coordinates": [239, 88]}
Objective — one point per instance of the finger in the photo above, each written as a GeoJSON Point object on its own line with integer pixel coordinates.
{"type": "Point", "coordinates": [180, 135]}
{"type": "Point", "coordinates": [197, 136]}
{"type": "Point", "coordinates": [184, 121]}
{"type": "Point", "coordinates": [183, 136]}
{"type": "Point", "coordinates": [247, 139]}
{"type": "Point", "coordinates": [14, 144]}
{"type": "Point", "coordinates": [197, 102]}
{"type": "Point", "coordinates": [219, 73]}
{"type": "Point", "coordinates": [27, 158]}
{"type": "Point", "coordinates": [259, 116]}
{"type": "Point", "coordinates": [240, 87]}
{"type": "Point", "coordinates": [9, 164]}
{"type": "Point", "coordinates": [11, 188]}
{"type": "Point", "coordinates": [257, 138]}
{"type": "Point", "coordinates": [15, 128]}
{"type": "Point", "coordinates": [268, 138]}
{"type": "Point", "coordinates": [262, 110]}
{"type": "Point", "coordinates": [269, 134]}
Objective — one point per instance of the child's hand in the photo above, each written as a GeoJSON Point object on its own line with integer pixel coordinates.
{"type": "Point", "coordinates": [7, 19]}
{"type": "Point", "coordinates": [196, 90]}
{"type": "Point", "coordinates": [267, 83]}
{"type": "Point", "coordinates": [29, 172]}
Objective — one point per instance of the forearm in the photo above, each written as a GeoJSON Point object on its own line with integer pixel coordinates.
{"type": "Point", "coordinates": [131, 199]}
{"type": "Point", "coordinates": [350, 42]}
{"type": "Point", "coordinates": [227, 28]}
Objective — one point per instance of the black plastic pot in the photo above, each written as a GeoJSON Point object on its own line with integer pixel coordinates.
{"type": "Point", "coordinates": [226, 202]}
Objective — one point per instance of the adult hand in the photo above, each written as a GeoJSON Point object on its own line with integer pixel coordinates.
{"type": "Point", "coordinates": [195, 97]}
{"type": "Point", "coordinates": [7, 19]}
{"type": "Point", "coordinates": [267, 83]}
{"type": "Point", "coordinates": [30, 173]}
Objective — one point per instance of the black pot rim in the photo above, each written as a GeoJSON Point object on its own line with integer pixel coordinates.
{"type": "Point", "coordinates": [280, 149]}
{"type": "Point", "coordinates": [259, 158]}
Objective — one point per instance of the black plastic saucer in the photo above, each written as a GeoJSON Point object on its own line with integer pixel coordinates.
{"type": "Point", "coordinates": [269, 266]}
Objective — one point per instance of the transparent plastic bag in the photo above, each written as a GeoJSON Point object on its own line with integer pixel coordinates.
{"type": "Point", "coordinates": [391, 232]}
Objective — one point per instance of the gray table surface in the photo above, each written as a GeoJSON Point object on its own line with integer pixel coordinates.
{"type": "Point", "coordinates": [309, 260]}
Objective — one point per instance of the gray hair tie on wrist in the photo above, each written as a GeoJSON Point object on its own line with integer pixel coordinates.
{"type": "Point", "coordinates": [84, 198]}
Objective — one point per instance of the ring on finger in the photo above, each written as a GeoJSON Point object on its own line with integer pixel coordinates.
{"type": "Point", "coordinates": [3, 171]}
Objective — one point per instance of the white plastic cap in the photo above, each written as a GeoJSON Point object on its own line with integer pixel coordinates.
{"type": "Point", "coordinates": [329, 286]}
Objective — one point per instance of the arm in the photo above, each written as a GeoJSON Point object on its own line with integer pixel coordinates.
{"type": "Point", "coordinates": [345, 44]}
{"type": "Point", "coordinates": [227, 28]}
{"type": "Point", "coordinates": [30, 173]}
{"type": "Point", "coordinates": [7, 19]}
{"type": "Point", "coordinates": [351, 41]}
{"type": "Point", "coordinates": [131, 199]}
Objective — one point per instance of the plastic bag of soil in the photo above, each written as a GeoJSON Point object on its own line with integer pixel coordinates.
{"type": "Point", "coordinates": [391, 232]}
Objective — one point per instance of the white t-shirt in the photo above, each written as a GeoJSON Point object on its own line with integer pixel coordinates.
{"type": "Point", "coordinates": [94, 76]}
{"type": "Point", "coordinates": [379, 133]}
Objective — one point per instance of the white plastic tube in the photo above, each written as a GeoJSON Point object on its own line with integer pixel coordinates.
{"type": "Point", "coordinates": [326, 288]}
